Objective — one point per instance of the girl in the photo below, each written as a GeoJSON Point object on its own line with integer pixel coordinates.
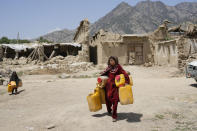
{"type": "Point", "coordinates": [14, 77]}
{"type": "Point", "coordinates": [111, 91]}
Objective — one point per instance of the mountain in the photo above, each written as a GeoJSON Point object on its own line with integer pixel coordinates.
{"type": "Point", "coordinates": [144, 17]}
{"type": "Point", "coordinates": [60, 36]}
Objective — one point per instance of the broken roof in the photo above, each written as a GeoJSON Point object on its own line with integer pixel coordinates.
{"type": "Point", "coordinates": [135, 35]}
{"type": "Point", "coordinates": [72, 44]}
{"type": "Point", "coordinates": [20, 47]}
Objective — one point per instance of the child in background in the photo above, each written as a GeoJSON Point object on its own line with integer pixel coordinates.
{"type": "Point", "coordinates": [14, 77]}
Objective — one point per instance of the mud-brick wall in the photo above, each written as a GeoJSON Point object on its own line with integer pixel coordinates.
{"type": "Point", "coordinates": [107, 49]}
{"type": "Point", "coordinates": [166, 53]}
{"type": "Point", "coordinates": [134, 41]}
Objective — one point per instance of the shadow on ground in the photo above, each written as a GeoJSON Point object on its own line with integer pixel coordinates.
{"type": "Point", "coordinates": [129, 117]}
{"type": "Point", "coordinates": [193, 85]}
{"type": "Point", "coordinates": [18, 92]}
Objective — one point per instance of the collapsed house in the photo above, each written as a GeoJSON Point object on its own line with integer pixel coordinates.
{"type": "Point", "coordinates": [171, 47]}
{"type": "Point", "coordinates": [36, 51]}
{"type": "Point", "coordinates": [175, 46]}
{"type": "Point", "coordinates": [163, 46]}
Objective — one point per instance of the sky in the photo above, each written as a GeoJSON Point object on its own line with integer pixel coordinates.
{"type": "Point", "coordinates": [33, 18]}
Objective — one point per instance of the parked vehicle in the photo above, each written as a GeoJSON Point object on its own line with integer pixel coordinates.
{"type": "Point", "coordinates": [191, 70]}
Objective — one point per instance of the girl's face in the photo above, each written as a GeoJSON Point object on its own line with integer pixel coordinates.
{"type": "Point", "coordinates": [112, 62]}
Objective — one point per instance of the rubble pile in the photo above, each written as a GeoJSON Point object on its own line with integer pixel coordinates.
{"type": "Point", "coordinates": [4, 76]}
{"type": "Point", "coordinates": [58, 64]}
{"type": "Point", "coordinates": [9, 61]}
{"type": "Point", "coordinates": [69, 64]}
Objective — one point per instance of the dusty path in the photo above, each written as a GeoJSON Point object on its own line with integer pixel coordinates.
{"type": "Point", "coordinates": [162, 103]}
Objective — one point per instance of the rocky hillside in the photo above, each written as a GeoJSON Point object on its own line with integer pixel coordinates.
{"type": "Point", "coordinates": [145, 17]}
{"type": "Point", "coordinates": [60, 36]}
{"type": "Point", "coordinates": [141, 18]}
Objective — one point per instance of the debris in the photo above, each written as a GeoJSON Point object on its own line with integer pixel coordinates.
{"type": "Point", "coordinates": [64, 76]}
{"type": "Point", "coordinates": [69, 64]}
{"type": "Point", "coordinates": [50, 126]}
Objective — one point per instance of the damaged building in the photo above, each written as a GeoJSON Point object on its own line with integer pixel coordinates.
{"type": "Point", "coordinates": [38, 51]}
{"type": "Point", "coordinates": [131, 49]}
{"type": "Point", "coordinates": [165, 46]}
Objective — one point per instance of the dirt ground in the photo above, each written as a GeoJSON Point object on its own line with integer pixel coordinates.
{"type": "Point", "coordinates": [162, 102]}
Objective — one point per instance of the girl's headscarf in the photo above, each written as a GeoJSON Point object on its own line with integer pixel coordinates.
{"type": "Point", "coordinates": [114, 58]}
{"type": "Point", "coordinates": [14, 77]}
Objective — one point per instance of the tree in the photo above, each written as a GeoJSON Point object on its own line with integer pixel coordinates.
{"type": "Point", "coordinates": [4, 40]}
{"type": "Point", "coordinates": [42, 40]}
{"type": "Point", "coordinates": [23, 41]}
{"type": "Point", "coordinates": [14, 41]}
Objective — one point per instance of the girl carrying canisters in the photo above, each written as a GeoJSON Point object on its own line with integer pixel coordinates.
{"type": "Point", "coordinates": [111, 91]}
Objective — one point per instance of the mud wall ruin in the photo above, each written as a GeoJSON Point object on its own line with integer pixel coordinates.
{"type": "Point", "coordinates": [187, 51]}
{"type": "Point", "coordinates": [107, 49]}
{"type": "Point", "coordinates": [82, 37]}
{"type": "Point", "coordinates": [166, 53]}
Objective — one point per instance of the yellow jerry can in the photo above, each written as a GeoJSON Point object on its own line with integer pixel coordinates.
{"type": "Point", "coordinates": [119, 80]}
{"type": "Point", "coordinates": [9, 88]}
{"type": "Point", "coordinates": [94, 101]}
{"type": "Point", "coordinates": [102, 94]}
{"type": "Point", "coordinates": [125, 95]}
{"type": "Point", "coordinates": [131, 81]}
{"type": "Point", "coordinates": [11, 85]}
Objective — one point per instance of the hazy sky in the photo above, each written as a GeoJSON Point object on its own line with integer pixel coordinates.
{"type": "Point", "coordinates": [33, 18]}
